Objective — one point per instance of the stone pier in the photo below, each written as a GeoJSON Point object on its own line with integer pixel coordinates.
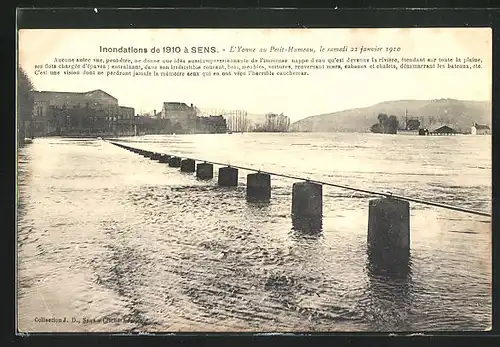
{"type": "Point", "coordinates": [389, 225]}
{"type": "Point", "coordinates": [204, 171]}
{"type": "Point", "coordinates": [307, 199]}
{"type": "Point", "coordinates": [164, 158]}
{"type": "Point", "coordinates": [174, 162]}
{"type": "Point", "coordinates": [187, 165]}
{"type": "Point", "coordinates": [307, 207]}
{"type": "Point", "coordinates": [228, 177]}
{"type": "Point", "coordinates": [258, 187]}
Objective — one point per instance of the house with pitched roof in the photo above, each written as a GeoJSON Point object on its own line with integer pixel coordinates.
{"type": "Point", "coordinates": [480, 129]}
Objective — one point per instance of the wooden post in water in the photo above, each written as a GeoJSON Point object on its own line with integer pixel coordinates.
{"type": "Point", "coordinates": [307, 207]}
{"type": "Point", "coordinates": [307, 199]}
{"type": "Point", "coordinates": [228, 177]}
{"type": "Point", "coordinates": [164, 158]}
{"type": "Point", "coordinates": [174, 162]}
{"type": "Point", "coordinates": [204, 171]}
{"type": "Point", "coordinates": [389, 224]}
{"type": "Point", "coordinates": [258, 187]}
{"type": "Point", "coordinates": [389, 237]}
{"type": "Point", "coordinates": [187, 165]}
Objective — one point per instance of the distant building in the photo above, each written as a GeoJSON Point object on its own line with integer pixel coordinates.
{"type": "Point", "coordinates": [182, 117]}
{"type": "Point", "coordinates": [146, 124]}
{"type": "Point", "coordinates": [58, 113]}
{"type": "Point", "coordinates": [212, 125]}
{"type": "Point", "coordinates": [444, 130]}
{"type": "Point", "coordinates": [125, 121]}
{"type": "Point", "coordinates": [126, 112]}
{"type": "Point", "coordinates": [478, 129]}
{"type": "Point", "coordinates": [95, 98]}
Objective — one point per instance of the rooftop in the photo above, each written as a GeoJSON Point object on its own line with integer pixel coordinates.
{"type": "Point", "coordinates": [444, 129]}
{"type": "Point", "coordinates": [176, 106]}
{"type": "Point", "coordinates": [481, 126]}
{"type": "Point", "coordinates": [90, 93]}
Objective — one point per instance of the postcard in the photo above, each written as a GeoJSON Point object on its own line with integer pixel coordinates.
{"type": "Point", "coordinates": [254, 180]}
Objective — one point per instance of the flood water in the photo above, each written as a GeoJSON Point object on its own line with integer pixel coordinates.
{"type": "Point", "coordinates": [115, 242]}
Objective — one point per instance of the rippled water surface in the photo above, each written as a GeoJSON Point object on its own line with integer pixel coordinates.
{"type": "Point", "coordinates": [114, 241]}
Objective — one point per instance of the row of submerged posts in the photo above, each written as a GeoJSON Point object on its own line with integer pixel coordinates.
{"type": "Point", "coordinates": [388, 220]}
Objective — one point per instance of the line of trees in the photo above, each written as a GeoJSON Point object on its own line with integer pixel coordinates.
{"type": "Point", "coordinates": [25, 104]}
{"type": "Point", "coordinates": [386, 124]}
{"type": "Point", "coordinates": [274, 123]}
{"type": "Point", "coordinates": [238, 122]}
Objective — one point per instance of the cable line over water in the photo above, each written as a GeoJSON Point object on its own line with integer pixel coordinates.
{"type": "Point", "coordinates": [361, 190]}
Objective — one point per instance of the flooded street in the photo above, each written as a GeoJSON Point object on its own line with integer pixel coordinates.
{"type": "Point", "coordinates": [110, 241]}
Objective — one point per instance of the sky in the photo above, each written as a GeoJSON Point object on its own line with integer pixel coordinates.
{"type": "Point", "coordinates": [298, 97]}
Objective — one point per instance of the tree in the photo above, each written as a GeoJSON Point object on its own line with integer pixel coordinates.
{"type": "Point", "coordinates": [391, 125]}
{"type": "Point", "coordinates": [386, 124]}
{"type": "Point", "coordinates": [275, 123]}
{"type": "Point", "coordinates": [413, 124]}
{"type": "Point", "coordinates": [25, 104]}
{"type": "Point", "coordinates": [382, 118]}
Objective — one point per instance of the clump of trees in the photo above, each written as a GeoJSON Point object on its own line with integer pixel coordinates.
{"type": "Point", "coordinates": [386, 124]}
{"type": "Point", "coordinates": [238, 122]}
{"type": "Point", "coordinates": [413, 124]}
{"type": "Point", "coordinates": [25, 104]}
{"type": "Point", "coordinates": [274, 123]}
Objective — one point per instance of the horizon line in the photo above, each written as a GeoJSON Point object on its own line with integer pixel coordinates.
{"type": "Point", "coordinates": [263, 113]}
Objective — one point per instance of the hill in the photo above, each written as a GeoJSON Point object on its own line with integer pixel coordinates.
{"type": "Point", "coordinates": [458, 114]}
